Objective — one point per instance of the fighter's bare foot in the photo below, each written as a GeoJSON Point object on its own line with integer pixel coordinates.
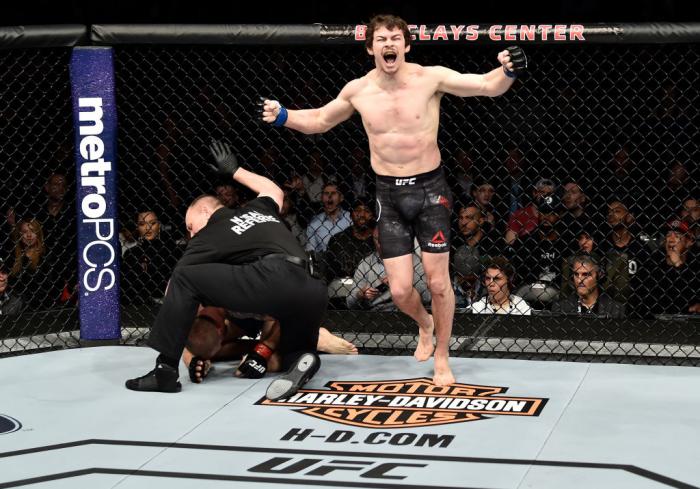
{"type": "Point", "coordinates": [425, 347]}
{"type": "Point", "coordinates": [443, 374]}
{"type": "Point", "coordinates": [330, 343]}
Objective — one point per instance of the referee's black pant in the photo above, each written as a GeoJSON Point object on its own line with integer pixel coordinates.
{"type": "Point", "coordinates": [276, 287]}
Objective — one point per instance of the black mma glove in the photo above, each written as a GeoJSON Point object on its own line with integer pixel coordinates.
{"type": "Point", "coordinates": [226, 161]}
{"type": "Point", "coordinates": [519, 60]}
{"type": "Point", "coordinates": [254, 365]}
{"type": "Point", "coordinates": [197, 377]}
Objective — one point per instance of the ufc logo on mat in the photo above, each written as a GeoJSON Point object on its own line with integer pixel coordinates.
{"type": "Point", "coordinates": [405, 181]}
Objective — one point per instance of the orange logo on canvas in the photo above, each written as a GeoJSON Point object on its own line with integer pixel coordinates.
{"type": "Point", "coordinates": [407, 403]}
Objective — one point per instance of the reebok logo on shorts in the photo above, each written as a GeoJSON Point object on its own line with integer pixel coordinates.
{"type": "Point", "coordinates": [438, 240]}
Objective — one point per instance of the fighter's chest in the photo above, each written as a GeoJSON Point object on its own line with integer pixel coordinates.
{"type": "Point", "coordinates": [408, 106]}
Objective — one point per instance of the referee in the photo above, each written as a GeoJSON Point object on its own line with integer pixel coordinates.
{"type": "Point", "coordinates": [243, 260]}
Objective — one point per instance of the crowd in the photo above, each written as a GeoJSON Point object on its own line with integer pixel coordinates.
{"type": "Point", "coordinates": [520, 244]}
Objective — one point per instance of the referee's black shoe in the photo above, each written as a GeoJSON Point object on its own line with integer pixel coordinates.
{"type": "Point", "coordinates": [163, 378]}
{"type": "Point", "coordinates": [290, 382]}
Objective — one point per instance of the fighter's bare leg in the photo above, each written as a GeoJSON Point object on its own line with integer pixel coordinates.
{"type": "Point", "coordinates": [436, 267]}
{"type": "Point", "coordinates": [327, 343]}
{"type": "Point", "coordinates": [330, 343]}
{"type": "Point", "coordinates": [408, 300]}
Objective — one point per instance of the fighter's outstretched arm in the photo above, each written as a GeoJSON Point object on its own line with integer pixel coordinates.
{"type": "Point", "coordinates": [311, 121]}
{"type": "Point", "coordinates": [491, 84]}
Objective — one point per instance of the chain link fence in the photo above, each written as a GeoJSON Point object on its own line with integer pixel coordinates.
{"type": "Point", "coordinates": [593, 153]}
{"type": "Point", "coordinates": [603, 149]}
{"type": "Point", "coordinates": [37, 241]}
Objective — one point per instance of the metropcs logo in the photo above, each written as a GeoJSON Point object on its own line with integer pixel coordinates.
{"type": "Point", "coordinates": [93, 169]}
{"type": "Point", "coordinates": [407, 403]}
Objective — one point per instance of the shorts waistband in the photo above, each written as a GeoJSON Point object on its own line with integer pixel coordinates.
{"type": "Point", "coordinates": [410, 180]}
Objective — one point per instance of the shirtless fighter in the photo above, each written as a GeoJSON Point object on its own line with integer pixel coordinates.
{"type": "Point", "coordinates": [399, 103]}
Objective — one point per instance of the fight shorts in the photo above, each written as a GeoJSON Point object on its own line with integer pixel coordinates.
{"type": "Point", "coordinates": [413, 207]}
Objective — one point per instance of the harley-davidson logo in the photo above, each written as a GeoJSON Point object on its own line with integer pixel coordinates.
{"type": "Point", "coordinates": [407, 403]}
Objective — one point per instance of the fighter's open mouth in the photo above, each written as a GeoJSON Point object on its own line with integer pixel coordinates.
{"type": "Point", "coordinates": [390, 58]}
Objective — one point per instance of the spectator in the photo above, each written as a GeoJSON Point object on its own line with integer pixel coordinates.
{"type": "Point", "coordinates": [55, 214]}
{"type": "Point", "coordinates": [515, 166]}
{"type": "Point", "coordinates": [270, 162]}
{"type": "Point", "coordinates": [34, 277]}
{"type": "Point", "coordinates": [670, 284]}
{"type": "Point", "coordinates": [498, 279]}
{"type": "Point", "coordinates": [126, 239]}
{"type": "Point", "coordinates": [57, 218]}
{"type": "Point", "coordinates": [539, 256]}
{"type": "Point", "coordinates": [471, 221]}
{"type": "Point", "coordinates": [289, 214]}
{"type": "Point", "coordinates": [482, 193]}
{"type": "Point", "coordinates": [588, 299]}
{"type": "Point", "coordinates": [623, 252]}
{"type": "Point", "coordinates": [314, 180]}
{"type": "Point", "coordinates": [690, 212]}
{"type": "Point", "coordinates": [472, 248]}
{"type": "Point", "coordinates": [304, 209]}
{"type": "Point", "coordinates": [460, 177]}
{"type": "Point", "coordinates": [10, 303]}
{"type": "Point", "coordinates": [586, 243]}
{"type": "Point", "coordinates": [371, 285]}
{"type": "Point", "coordinates": [347, 248]}
{"type": "Point", "coordinates": [227, 194]}
{"type": "Point", "coordinates": [467, 264]}
{"type": "Point", "coordinates": [7, 226]}
{"type": "Point", "coordinates": [574, 200]}
{"type": "Point", "coordinates": [147, 266]}
{"type": "Point", "coordinates": [669, 196]}
{"type": "Point", "coordinates": [577, 215]}
{"type": "Point", "coordinates": [624, 176]}
{"type": "Point", "coordinates": [332, 220]}
{"type": "Point", "coordinates": [525, 220]}
{"type": "Point", "coordinates": [361, 182]}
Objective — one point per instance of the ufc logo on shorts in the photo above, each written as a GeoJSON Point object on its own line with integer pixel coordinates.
{"type": "Point", "coordinates": [405, 181]}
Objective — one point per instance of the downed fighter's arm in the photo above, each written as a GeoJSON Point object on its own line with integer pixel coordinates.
{"type": "Point", "coordinates": [262, 186]}
{"type": "Point", "coordinates": [315, 121]}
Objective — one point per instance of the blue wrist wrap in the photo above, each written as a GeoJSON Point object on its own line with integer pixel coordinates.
{"type": "Point", "coordinates": [281, 117]}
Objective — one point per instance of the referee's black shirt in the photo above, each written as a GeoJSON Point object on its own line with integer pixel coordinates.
{"type": "Point", "coordinates": [238, 236]}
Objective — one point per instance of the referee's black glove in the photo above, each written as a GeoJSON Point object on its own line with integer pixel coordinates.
{"type": "Point", "coordinates": [226, 161]}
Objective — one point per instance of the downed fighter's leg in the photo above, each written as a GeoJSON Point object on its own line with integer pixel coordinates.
{"type": "Point", "coordinates": [330, 343]}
